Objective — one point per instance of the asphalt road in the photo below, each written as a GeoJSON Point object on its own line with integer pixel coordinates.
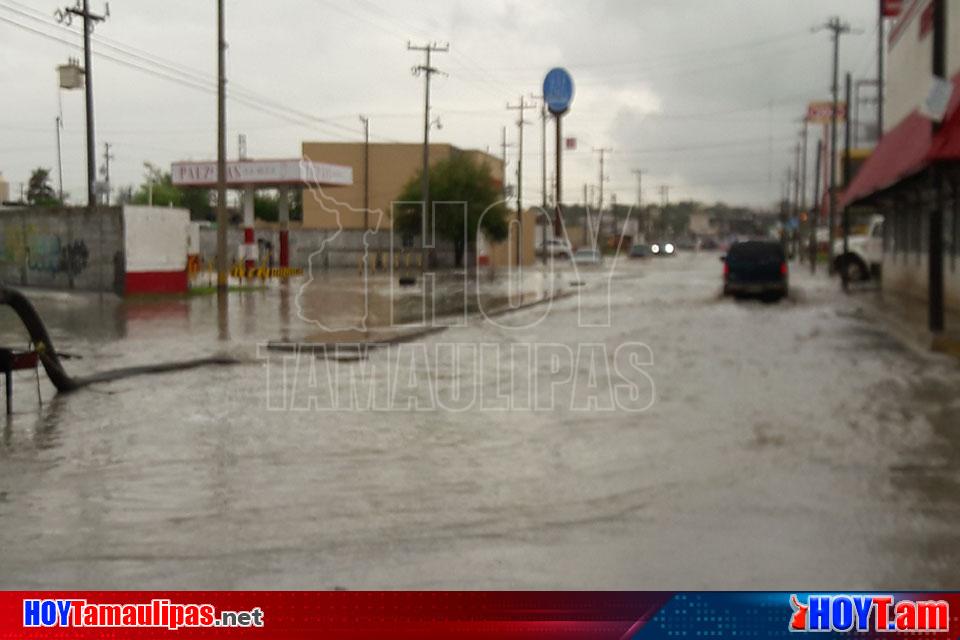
{"type": "Point", "coordinates": [730, 445]}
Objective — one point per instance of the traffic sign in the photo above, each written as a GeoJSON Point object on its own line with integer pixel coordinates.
{"type": "Point", "coordinates": [558, 90]}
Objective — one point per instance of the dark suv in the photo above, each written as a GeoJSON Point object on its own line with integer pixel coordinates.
{"type": "Point", "coordinates": [756, 267]}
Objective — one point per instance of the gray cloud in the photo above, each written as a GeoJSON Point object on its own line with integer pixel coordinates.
{"type": "Point", "coordinates": [662, 82]}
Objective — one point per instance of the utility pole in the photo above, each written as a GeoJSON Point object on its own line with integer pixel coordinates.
{"type": "Point", "coordinates": [221, 153]}
{"type": "Point", "coordinates": [59, 146]}
{"type": "Point", "coordinates": [838, 28]}
{"type": "Point", "coordinates": [543, 151]}
{"type": "Point", "coordinates": [795, 209]}
{"type": "Point", "coordinates": [935, 292]}
{"type": "Point", "coordinates": [427, 70]}
{"type": "Point", "coordinates": [82, 10]}
{"type": "Point", "coordinates": [664, 190]}
{"type": "Point", "coordinates": [880, 88]}
{"type": "Point", "coordinates": [803, 186]}
{"type": "Point", "coordinates": [107, 157]}
{"type": "Point", "coordinates": [602, 151]}
{"type": "Point", "coordinates": [803, 167]}
{"type": "Point", "coordinates": [242, 147]}
{"type": "Point", "coordinates": [503, 158]}
{"type": "Point", "coordinates": [845, 274]}
{"type": "Point", "coordinates": [641, 223]}
{"type": "Point", "coordinates": [543, 176]}
{"type": "Point", "coordinates": [366, 172]}
{"type": "Point", "coordinates": [520, 107]}
{"type": "Point", "coordinates": [815, 218]}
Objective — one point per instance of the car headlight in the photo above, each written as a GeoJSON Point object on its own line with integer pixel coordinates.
{"type": "Point", "coordinates": [669, 248]}
{"type": "Point", "coordinates": [655, 248]}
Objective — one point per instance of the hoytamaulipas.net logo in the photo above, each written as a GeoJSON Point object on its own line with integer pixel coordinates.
{"type": "Point", "coordinates": [868, 613]}
{"type": "Point", "coordinates": [158, 612]}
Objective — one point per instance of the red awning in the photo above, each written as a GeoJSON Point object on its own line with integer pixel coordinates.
{"type": "Point", "coordinates": [906, 150]}
{"type": "Point", "coordinates": [946, 144]}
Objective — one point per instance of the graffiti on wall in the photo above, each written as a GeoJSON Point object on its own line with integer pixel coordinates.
{"type": "Point", "coordinates": [46, 253]}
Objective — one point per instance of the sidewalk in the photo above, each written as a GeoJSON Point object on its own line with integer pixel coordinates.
{"type": "Point", "coordinates": [906, 317]}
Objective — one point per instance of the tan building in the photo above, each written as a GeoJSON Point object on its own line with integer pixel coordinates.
{"type": "Point", "coordinates": [391, 166]}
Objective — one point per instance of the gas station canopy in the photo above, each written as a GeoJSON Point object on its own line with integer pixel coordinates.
{"type": "Point", "coordinates": [262, 173]}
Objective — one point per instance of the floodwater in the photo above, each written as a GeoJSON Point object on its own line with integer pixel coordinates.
{"type": "Point", "coordinates": [774, 445]}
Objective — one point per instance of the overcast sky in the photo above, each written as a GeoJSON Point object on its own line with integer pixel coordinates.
{"type": "Point", "coordinates": [703, 95]}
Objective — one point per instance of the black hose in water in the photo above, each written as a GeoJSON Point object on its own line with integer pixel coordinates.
{"type": "Point", "coordinates": [51, 361]}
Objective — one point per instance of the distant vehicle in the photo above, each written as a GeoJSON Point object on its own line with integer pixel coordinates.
{"type": "Point", "coordinates": [709, 244]}
{"type": "Point", "coordinates": [756, 267]}
{"type": "Point", "coordinates": [587, 256]}
{"type": "Point", "coordinates": [556, 248]}
{"type": "Point", "coordinates": [865, 251]}
{"type": "Point", "coordinates": [640, 251]}
{"type": "Point", "coordinates": [665, 249]}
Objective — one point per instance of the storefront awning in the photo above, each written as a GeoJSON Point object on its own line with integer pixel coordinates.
{"type": "Point", "coordinates": [907, 150]}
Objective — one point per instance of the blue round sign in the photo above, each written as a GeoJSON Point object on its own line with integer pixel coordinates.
{"type": "Point", "coordinates": [558, 90]}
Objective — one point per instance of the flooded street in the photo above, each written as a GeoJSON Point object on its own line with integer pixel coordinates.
{"type": "Point", "coordinates": [787, 444]}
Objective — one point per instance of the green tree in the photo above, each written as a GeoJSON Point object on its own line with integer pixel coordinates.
{"type": "Point", "coordinates": [457, 179]}
{"type": "Point", "coordinates": [159, 188]}
{"type": "Point", "coordinates": [674, 219]}
{"type": "Point", "coordinates": [39, 191]}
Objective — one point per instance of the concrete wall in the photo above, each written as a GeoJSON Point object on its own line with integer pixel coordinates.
{"type": "Point", "coordinates": [391, 167]}
{"type": "Point", "coordinates": [62, 248]}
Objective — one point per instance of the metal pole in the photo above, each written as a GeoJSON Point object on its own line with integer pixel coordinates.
{"type": "Point", "coordinates": [844, 271]}
{"type": "Point", "coordinates": [543, 178]}
{"type": "Point", "coordinates": [543, 152]}
{"type": "Point", "coordinates": [520, 122]}
{"type": "Point", "coordinates": [59, 161]}
{"type": "Point", "coordinates": [837, 27]}
{"type": "Point", "coordinates": [880, 87]}
{"type": "Point", "coordinates": [503, 158]}
{"type": "Point", "coordinates": [641, 226]}
{"type": "Point", "coordinates": [803, 169]}
{"type": "Point", "coordinates": [427, 227]}
{"type": "Point", "coordinates": [88, 71]}
{"type": "Point", "coordinates": [366, 172]}
{"type": "Point", "coordinates": [815, 218]}
{"type": "Point", "coordinates": [221, 151]}
{"type": "Point", "coordinates": [935, 292]}
{"type": "Point", "coordinates": [107, 157]}
{"type": "Point", "coordinates": [558, 207]}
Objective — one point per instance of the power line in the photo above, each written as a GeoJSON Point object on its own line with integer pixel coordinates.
{"type": "Point", "coordinates": [279, 111]}
{"type": "Point", "coordinates": [178, 73]}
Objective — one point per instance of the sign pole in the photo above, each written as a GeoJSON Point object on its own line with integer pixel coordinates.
{"type": "Point", "coordinates": [558, 183]}
{"type": "Point", "coordinates": [557, 95]}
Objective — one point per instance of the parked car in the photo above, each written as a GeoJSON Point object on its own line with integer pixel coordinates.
{"type": "Point", "coordinates": [640, 251]}
{"type": "Point", "coordinates": [556, 248]}
{"type": "Point", "coordinates": [664, 249]}
{"type": "Point", "coordinates": [756, 267]}
{"type": "Point", "coordinates": [587, 256]}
